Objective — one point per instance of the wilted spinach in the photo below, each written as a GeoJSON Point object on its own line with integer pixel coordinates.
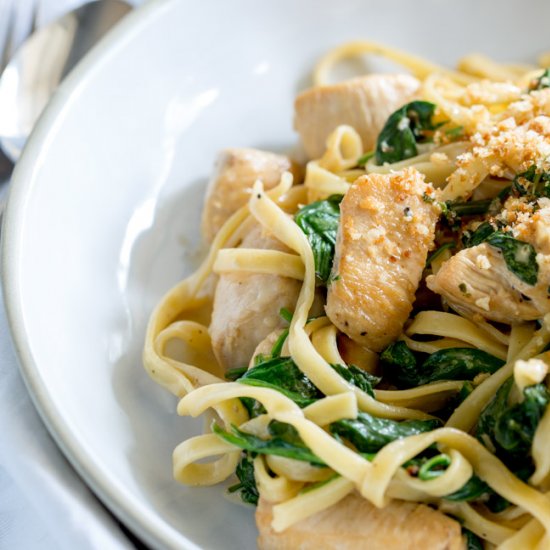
{"type": "Point", "coordinates": [520, 257]}
{"type": "Point", "coordinates": [319, 221]}
{"type": "Point", "coordinates": [515, 426]}
{"type": "Point", "coordinates": [283, 375]}
{"type": "Point", "coordinates": [358, 377]}
{"type": "Point", "coordinates": [401, 367]}
{"type": "Point", "coordinates": [434, 255]}
{"type": "Point", "coordinates": [473, 238]}
{"type": "Point", "coordinates": [369, 433]}
{"type": "Point", "coordinates": [543, 81]}
{"type": "Point", "coordinates": [285, 442]}
{"type": "Point", "coordinates": [456, 210]}
{"type": "Point", "coordinates": [409, 125]}
{"type": "Point", "coordinates": [473, 542]}
{"type": "Point", "coordinates": [510, 428]}
{"type": "Point", "coordinates": [246, 487]}
{"type": "Point", "coordinates": [532, 183]}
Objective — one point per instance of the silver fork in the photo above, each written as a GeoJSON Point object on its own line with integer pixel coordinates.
{"type": "Point", "coordinates": [18, 19]}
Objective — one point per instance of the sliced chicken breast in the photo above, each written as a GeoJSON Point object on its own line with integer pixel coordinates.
{"type": "Point", "coordinates": [235, 173]}
{"type": "Point", "coordinates": [354, 523]}
{"type": "Point", "coordinates": [386, 229]}
{"type": "Point", "coordinates": [364, 103]}
{"type": "Point", "coordinates": [477, 280]}
{"type": "Point", "coordinates": [247, 305]}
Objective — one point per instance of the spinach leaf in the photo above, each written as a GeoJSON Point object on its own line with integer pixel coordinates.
{"type": "Point", "coordinates": [358, 377]}
{"type": "Point", "coordinates": [233, 374]}
{"type": "Point", "coordinates": [455, 133]}
{"type": "Point", "coordinates": [399, 364]}
{"type": "Point", "coordinates": [468, 208]}
{"type": "Point", "coordinates": [543, 81]}
{"type": "Point", "coordinates": [364, 159]}
{"type": "Point", "coordinates": [515, 427]}
{"type": "Point", "coordinates": [247, 483]}
{"type": "Point", "coordinates": [473, 542]}
{"type": "Point", "coordinates": [532, 183]}
{"type": "Point", "coordinates": [520, 257]}
{"type": "Point", "coordinates": [510, 428]}
{"type": "Point", "coordinates": [283, 375]}
{"type": "Point", "coordinates": [457, 364]}
{"type": "Point", "coordinates": [434, 467]}
{"type": "Point", "coordinates": [497, 503]}
{"type": "Point", "coordinates": [481, 234]}
{"type": "Point", "coordinates": [279, 343]}
{"type": "Point", "coordinates": [369, 434]}
{"type": "Point", "coordinates": [439, 251]}
{"type": "Point", "coordinates": [406, 127]}
{"type": "Point", "coordinates": [471, 490]}
{"type": "Point", "coordinates": [402, 369]}
{"type": "Point", "coordinates": [427, 466]}
{"type": "Point", "coordinates": [319, 221]}
{"type": "Point", "coordinates": [487, 419]}
{"type": "Point", "coordinates": [285, 442]}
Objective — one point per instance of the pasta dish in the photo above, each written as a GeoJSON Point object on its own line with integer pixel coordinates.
{"type": "Point", "coordinates": [369, 333]}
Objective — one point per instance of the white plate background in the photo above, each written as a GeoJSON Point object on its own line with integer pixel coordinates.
{"type": "Point", "coordinates": [106, 200]}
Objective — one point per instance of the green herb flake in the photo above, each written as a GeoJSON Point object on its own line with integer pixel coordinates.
{"type": "Point", "coordinates": [427, 198]}
{"type": "Point", "coordinates": [455, 133]}
{"type": "Point", "coordinates": [464, 289]}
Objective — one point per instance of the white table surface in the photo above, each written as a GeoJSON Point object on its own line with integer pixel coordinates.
{"type": "Point", "coordinates": [43, 502]}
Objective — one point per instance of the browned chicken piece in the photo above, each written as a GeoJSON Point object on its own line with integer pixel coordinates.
{"type": "Point", "coordinates": [247, 305]}
{"type": "Point", "coordinates": [364, 103]}
{"type": "Point", "coordinates": [476, 280]}
{"type": "Point", "coordinates": [386, 229]}
{"type": "Point", "coordinates": [235, 173]}
{"type": "Point", "coordinates": [354, 523]}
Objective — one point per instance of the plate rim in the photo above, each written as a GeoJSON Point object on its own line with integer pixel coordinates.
{"type": "Point", "coordinates": [149, 528]}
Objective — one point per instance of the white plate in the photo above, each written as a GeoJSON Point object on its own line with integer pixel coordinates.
{"type": "Point", "coordinates": [105, 205]}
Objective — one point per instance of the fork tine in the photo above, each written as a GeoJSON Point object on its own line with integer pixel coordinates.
{"type": "Point", "coordinates": [6, 51]}
{"type": "Point", "coordinates": [35, 17]}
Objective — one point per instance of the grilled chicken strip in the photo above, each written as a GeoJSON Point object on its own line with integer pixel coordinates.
{"type": "Point", "coordinates": [246, 305]}
{"type": "Point", "coordinates": [386, 229]}
{"type": "Point", "coordinates": [477, 279]}
{"type": "Point", "coordinates": [235, 173]}
{"type": "Point", "coordinates": [354, 523]}
{"type": "Point", "coordinates": [364, 103]}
